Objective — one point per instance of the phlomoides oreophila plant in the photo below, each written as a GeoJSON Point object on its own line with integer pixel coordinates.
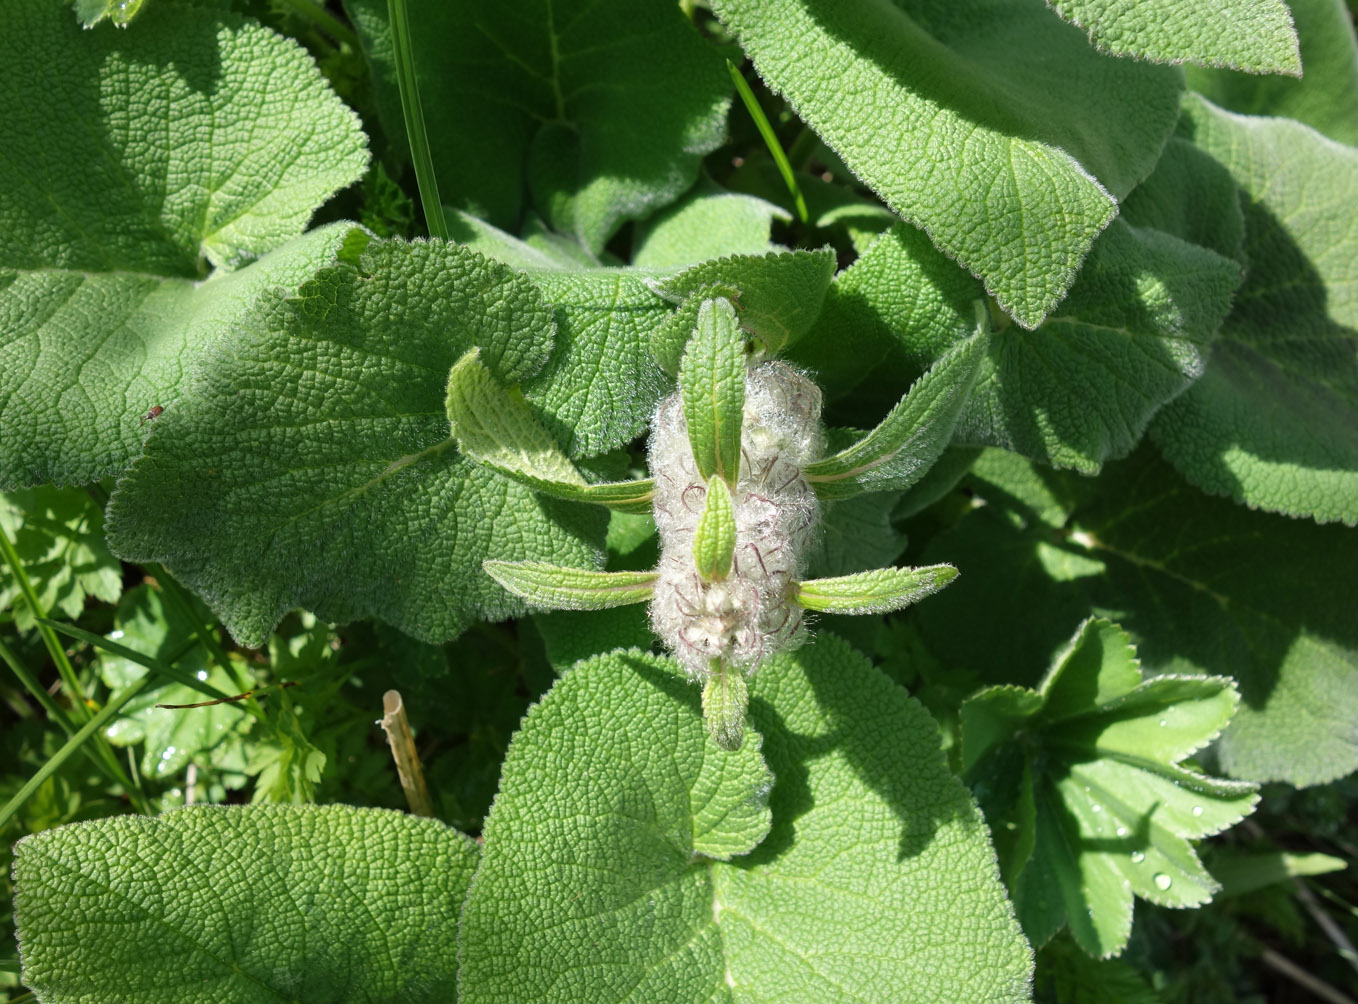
{"type": "Point", "coordinates": [737, 482]}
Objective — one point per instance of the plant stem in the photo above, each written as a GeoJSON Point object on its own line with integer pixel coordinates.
{"type": "Point", "coordinates": [397, 727]}
{"type": "Point", "coordinates": [90, 728]}
{"type": "Point", "coordinates": [420, 155]}
{"type": "Point", "coordinates": [325, 21]}
{"type": "Point", "coordinates": [765, 128]}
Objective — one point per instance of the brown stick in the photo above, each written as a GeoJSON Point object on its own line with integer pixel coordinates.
{"type": "Point", "coordinates": [397, 728]}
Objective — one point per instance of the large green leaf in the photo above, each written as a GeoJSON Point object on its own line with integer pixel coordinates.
{"type": "Point", "coordinates": [604, 875]}
{"type": "Point", "coordinates": [1201, 584]}
{"type": "Point", "coordinates": [1273, 422]}
{"type": "Point", "coordinates": [257, 905]}
{"type": "Point", "coordinates": [1080, 389]}
{"type": "Point", "coordinates": [707, 223]}
{"type": "Point", "coordinates": [986, 124]}
{"type": "Point", "coordinates": [601, 110]}
{"type": "Point", "coordinates": [132, 161]}
{"type": "Point", "coordinates": [310, 463]}
{"type": "Point", "coordinates": [201, 136]}
{"type": "Point", "coordinates": [1253, 35]}
{"type": "Point", "coordinates": [1082, 781]}
{"type": "Point", "coordinates": [1326, 96]}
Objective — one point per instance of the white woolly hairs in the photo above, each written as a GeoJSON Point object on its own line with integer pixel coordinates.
{"type": "Point", "coordinates": [751, 614]}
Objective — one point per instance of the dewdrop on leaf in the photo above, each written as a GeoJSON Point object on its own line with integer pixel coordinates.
{"type": "Point", "coordinates": [751, 613]}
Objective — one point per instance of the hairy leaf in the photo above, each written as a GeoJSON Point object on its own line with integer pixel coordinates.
{"type": "Point", "coordinates": [879, 591]}
{"type": "Point", "coordinates": [714, 540]}
{"type": "Point", "coordinates": [313, 446]}
{"type": "Point", "coordinates": [554, 586]}
{"type": "Point", "coordinates": [712, 382]}
{"type": "Point", "coordinates": [601, 110]}
{"type": "Point", "coordinates": [251, 905]}
{"type": "Point", "coordinates": [1253, 35]}
{"type": "Point", "coordinates": [1102, 809]}
{"type": "Point", "coordinates": [966, 119]}
{"type": "Point", "coordinates": [1273, 422]}
{"type": "Point", "coordinates": [875, 882]}
{"type": "Point", "coordinates": [707, 223]}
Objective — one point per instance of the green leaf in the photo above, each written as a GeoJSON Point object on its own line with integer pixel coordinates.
{"type": "Point", "coordinates": [879, 591]}
{"type": "Point", "coordinates": [545, 585]}
{"type": "Point", "coordinates": [1195, 580]}
{"type": "Point", "coordinates": [707, 223]}
{"type": "Point", "coordinates": [714, 540]}
{"type": "Point", "coordinates": [600, 386]}
{"type": "Point", "coordinates": [1066, 975]}
{"type": "Point", "coordinates": [1101, 750]}
{"type": "Point", "coordinates": [1240, 872]}
{"type": "Point", "coordinates": [309, 463]}
{"type": "Point", "coordinates": [1291, 338]}
{"type": "Point", "coordinates": [119, 12]}
{"type": "Point", "coordinates": [58, 534]}
{"type": "Point", "coordinates": [857, 534]}
{"type": "Point", "coordinates": [601, 110]}
{"type": "Point", "coordinates": [897, 453]}
{"type": "Point", "coordinates": [1326, 95]}
{"type": "Point", "coordinates": [726, 698]}
{"type": "Point", "coordinates": [307, 904]}
{"type": "Point", "coordinates": [874, 882]}
{"type": "Point", "coordinates": [1252, 35]}
{"type": "Point", "coordinates": [963, 118]}
{"type": "Point", "coordinates": [712, 382]}
{"type": "Point", "coordinates": [162, 147]}
{"type": "Point", "coordinates": [777, 295]}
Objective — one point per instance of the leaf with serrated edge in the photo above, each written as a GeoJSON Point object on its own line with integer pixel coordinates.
{"type": "Point", "coordinates": [726, 698]}
{"type": "Point", "coordinates": [712, 382]}
{"type": "Point", "coordinates": [879, 591]}
{"type": "Point", "coordinates": [560, 588]}
{"type": "Point", "coordinates": [875, 883]}
{"type": "Point", "coordinates": [1293, 333]}
{"type": "Point", "coordinates": [1059, 547]}
{"type": "Point", "coordinates": [897, 453]}
{"type": "Point", "coordinates": [778, 296]}
{"type": "Point", "coordinates": [338, 904]}
{"type": "Point", "coordinates": [600, 108]}
{"type": "Point", "coordinates": [1253, 35]}
{"type": "Point", "coordinates": [313, 445]}
{"type": "Point", "coordinates": [714, 540]}
{"type": "Point", "coordinates": [963, 119]}
{"type": "Point", "coordinates": [1115, 811]}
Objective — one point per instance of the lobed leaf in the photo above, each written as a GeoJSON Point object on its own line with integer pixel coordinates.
{"type": "Point", "coordinates": [252, 905]}
{"type": "Point", "coordinates": [1107, 807]}
{"type": "Point", "coordinates": [659, 872]}
{"type": "Point", "coordinates": [965, 120]}
{"type": "Point", "coordinates": [310, 463]}
{"type": "Point", "coordinates": [1252, 35]}
{"type": "Point", "coordinates": [1292, 337]}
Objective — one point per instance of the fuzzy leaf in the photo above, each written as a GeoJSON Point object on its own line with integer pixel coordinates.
{"type": "Point", "coordinates": [966, 121]}
{"type": "Point", "coordinates": [712, 381]}
{"type": "Point", "coordinates": [1058, 548]}
{"type": "Point", "coordinates": [1326, 95]}
{"type": "Point", "coordinates": [251, 905]}
{"type": "Point", "coordinates": [1292, 338]}
{"type": "Point", "coordinates": [726, 698]}
{"type": "Point", "coordinates": [310, 464]}
{"type": "Point", "coordinates": [556, 587]}
{"type": "Point", "coordinates": [875, 882]}
{"type": "Point", "coordinates": [1253, 35]}
{"type": "Point", "coordinates": [879, 591]}
{"type": "Point", "coordinates": [601, 110]}
{"type": "Point", "coordinates": [714, 540]}
{"type": "Point", "coordinates": [1100, 750]}
{"type": "Point", "coordinates": [777, 295]}
{"type": "Point", "coordinates": [201, 135]}
{"type": "Point", "coordinates": [897, 453]}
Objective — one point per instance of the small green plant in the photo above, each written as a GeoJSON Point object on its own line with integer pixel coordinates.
{"type": "Point", "coordinates": [497, 354]}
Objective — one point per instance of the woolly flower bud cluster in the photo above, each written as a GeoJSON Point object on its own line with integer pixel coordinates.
{"type": "Point", "coordinates": [751, 614]}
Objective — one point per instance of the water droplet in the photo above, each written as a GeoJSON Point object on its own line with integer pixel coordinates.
{"type": "Point", "coordinates": [201, 674]}
{"type": "Point", "coordinates": [1162, 881]}
{"type": "Point", "coordinates": [1122, 831]}
{"type": "Point", "coordinates": [1197, 810]}
{"type": "Point", "coordinates": [1096, 807]}
{"type": "Point", "coordinates": [115, 635]}
{"type": "Point", "coordinates": [169, 752]}
{"type": "Point", "coordinates": [1138, 857]}
{"type": "Point", "coordinates": [1163, 723]}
